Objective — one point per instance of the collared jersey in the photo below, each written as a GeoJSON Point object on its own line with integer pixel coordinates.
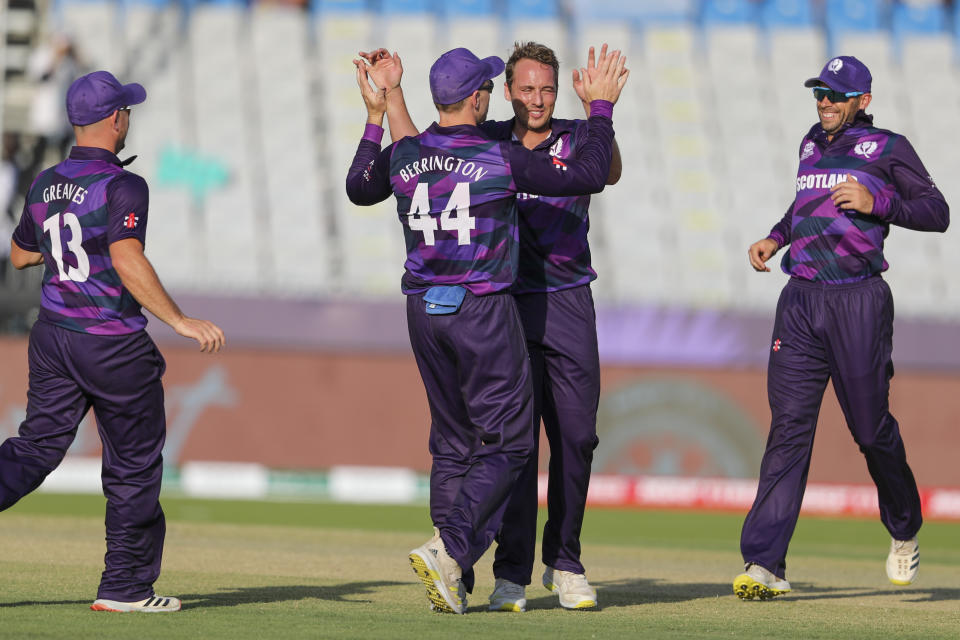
{"type": "Point", "coordinates": [839, 246]}
{"type": "Point", "coordinates": [73, 212]}
{"type": "Point", "coordinates": [456, 191]}
{"type": "Point", "coordinates": [554, 252]}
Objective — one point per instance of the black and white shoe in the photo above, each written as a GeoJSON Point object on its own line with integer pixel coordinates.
{"type": "Point", "coordinates": [153, 604]}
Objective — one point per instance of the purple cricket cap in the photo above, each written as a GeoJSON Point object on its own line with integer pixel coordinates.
{"type": "Point", "coordinates": [458, 73]}
{"type": "Point", "coordinates": [95, 96]}
{"type": "Point", "coordinates": [843, 73]}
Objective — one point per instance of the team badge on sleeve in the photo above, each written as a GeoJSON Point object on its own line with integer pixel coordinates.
{"type": "Point", "coordinates": [777, 344]}
{"type": "Point", "coordinates": [130, 221]}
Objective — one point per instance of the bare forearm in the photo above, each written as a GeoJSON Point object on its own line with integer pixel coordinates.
{"type": "Point", "coordinates": [141, 280]}
{"type": "Point", "coordinates": [616, 165]}
{"type": "Point", "coordinates": [398, 117]}
{"type": "Point", "coordinates": [21, 258]}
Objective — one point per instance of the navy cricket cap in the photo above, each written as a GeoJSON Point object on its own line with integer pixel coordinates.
{"type": "Point", "coordinates": [843, 73]}
{"type": "Point", "coordinates": [93, 97]}
{"type": "Point", "coordinates": [458, 73]}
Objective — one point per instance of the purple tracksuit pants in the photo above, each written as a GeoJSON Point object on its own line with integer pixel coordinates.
{"type": "Point", "coordinates": [119, 376]}
{"type": "Point", "coordinates": [561, 333]}
{"type": "Point", "coordinates": [823, 332]}
{"type": "Point", "coordinates": [476, 374]}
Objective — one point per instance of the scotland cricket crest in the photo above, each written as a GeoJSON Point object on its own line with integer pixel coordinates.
{"type": "Point", "coordinates": [865, 149]}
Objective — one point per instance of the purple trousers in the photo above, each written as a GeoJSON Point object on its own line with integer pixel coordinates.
{"type": "Point", "coordinates": [561, 333]}
{"type": "Point", "coordinates": [476, 374]}
{"type": "Point", "coordinates": [824, 332]}
{"type": "Point", "coordinates": [119, 376]}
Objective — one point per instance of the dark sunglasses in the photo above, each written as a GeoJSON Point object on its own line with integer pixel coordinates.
{"type": "Point", "coordinates": [487, 86]}
{"type": "Point", "coordinates": [834, 96]}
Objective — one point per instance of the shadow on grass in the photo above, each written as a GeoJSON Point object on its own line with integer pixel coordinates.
{"type": "Point", "coordinates": [627, 593]}
{"type": "Point", "coordinates": [33, 603]}
{"type": "Point", "coordinates": [805, 591]}
{"type": "Point", "coordinates": [621, 593]}
{"type": "Point", "coordinates": [263, 595]}
{"type": "Point", "coordinates": [253, 595]}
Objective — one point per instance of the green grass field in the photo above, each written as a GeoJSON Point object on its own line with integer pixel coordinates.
{"type": "Point", "coordinates": [281, 570]}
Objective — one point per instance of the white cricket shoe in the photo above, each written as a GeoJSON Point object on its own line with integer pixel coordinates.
{"type": "Point", "coordinates": [440, 574]}
{"type": "Point", "coordinates": [903, 562]}
{"type": "Point", "coordinates": [508, 596]}
{"type": "Point", "coordinates": [153, 604]}
{"type": "Point", "coordinates": [757, 582]}
{"type": "Point", "coordinates": [574, 590]}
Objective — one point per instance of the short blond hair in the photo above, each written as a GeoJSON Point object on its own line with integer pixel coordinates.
{"type": "Point", "coordinates": [536, 52]}
{"type": "Point", "coordinates": [451, 108]}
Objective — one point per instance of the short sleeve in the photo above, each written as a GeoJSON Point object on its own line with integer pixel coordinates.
{"type": "Point", "coordinates": [127, 201]}
{"type": "Point", "coordinates": [25, 234]}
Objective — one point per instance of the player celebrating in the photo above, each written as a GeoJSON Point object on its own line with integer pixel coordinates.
{"type": "Point", "coordinates": [464, 329]}
{"type": "Point", "coordinates": [556, 309]}
{"type": "Point", "coordinates": [835, 320]}
{"type": "Point", "coordinates": [85, 219]}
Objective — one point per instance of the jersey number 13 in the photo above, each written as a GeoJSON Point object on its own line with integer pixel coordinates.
{"type": "Point", "coordinates": [51, 225]}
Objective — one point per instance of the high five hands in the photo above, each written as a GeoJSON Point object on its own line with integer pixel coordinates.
{"type": "Point", "coordinates": [384, 69]}
{"type": "Point", "coordinates": [602, 79]}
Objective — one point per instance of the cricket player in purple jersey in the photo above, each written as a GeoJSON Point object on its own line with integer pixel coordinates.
{"type": "Point", "coordinates": [835, 321]}
{"type": "Point", "coordinates": [85, 220]}
{"type": "Point", "coordinates": [464, 327]}
{"type": "Point", "coordinates": [556, 309]}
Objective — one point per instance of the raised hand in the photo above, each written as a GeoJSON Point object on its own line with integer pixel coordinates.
{"type": "Point", "coordinates": [374, 97]}
{"type": "Point", "coordinates": [386, 70]}
{"type": "Point", "coordinates": [606, 80]}
{"type": "Point", "coordinates": [591, 64]}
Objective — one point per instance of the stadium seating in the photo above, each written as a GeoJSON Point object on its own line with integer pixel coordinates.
{"type": "Point", "coordinates": [266, 95]}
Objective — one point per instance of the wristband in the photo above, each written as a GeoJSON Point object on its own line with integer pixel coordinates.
{"type": "Point", "coordinates": [601, 108]}
{"type": "Point", "coordinates": [373, 133]}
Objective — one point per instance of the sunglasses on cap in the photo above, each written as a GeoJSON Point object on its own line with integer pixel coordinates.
{"type": "Point", "coordinates": [834, 96]}
{"type": "Point", "coordinates": [487, 86]}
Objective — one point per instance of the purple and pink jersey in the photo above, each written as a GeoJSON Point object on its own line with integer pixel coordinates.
{"type": "Point", "coordinates": [457, 190]}
{"type": "Point", "coordinates": [554, 252]}
{"type": "Point", "coordinates": [74, 211]}
{"type": "Point", "coordinates": [839, 246]}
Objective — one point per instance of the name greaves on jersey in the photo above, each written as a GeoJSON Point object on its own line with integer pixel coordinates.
{"type": "Point", "coordinates": [64, 191]}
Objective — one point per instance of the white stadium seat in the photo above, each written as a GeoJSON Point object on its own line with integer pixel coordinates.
{"type": "Point", "coordinates": [709, 128]}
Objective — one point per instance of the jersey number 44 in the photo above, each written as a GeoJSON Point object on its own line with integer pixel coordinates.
{"type": "Point", "coordinates": [420, 219]}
